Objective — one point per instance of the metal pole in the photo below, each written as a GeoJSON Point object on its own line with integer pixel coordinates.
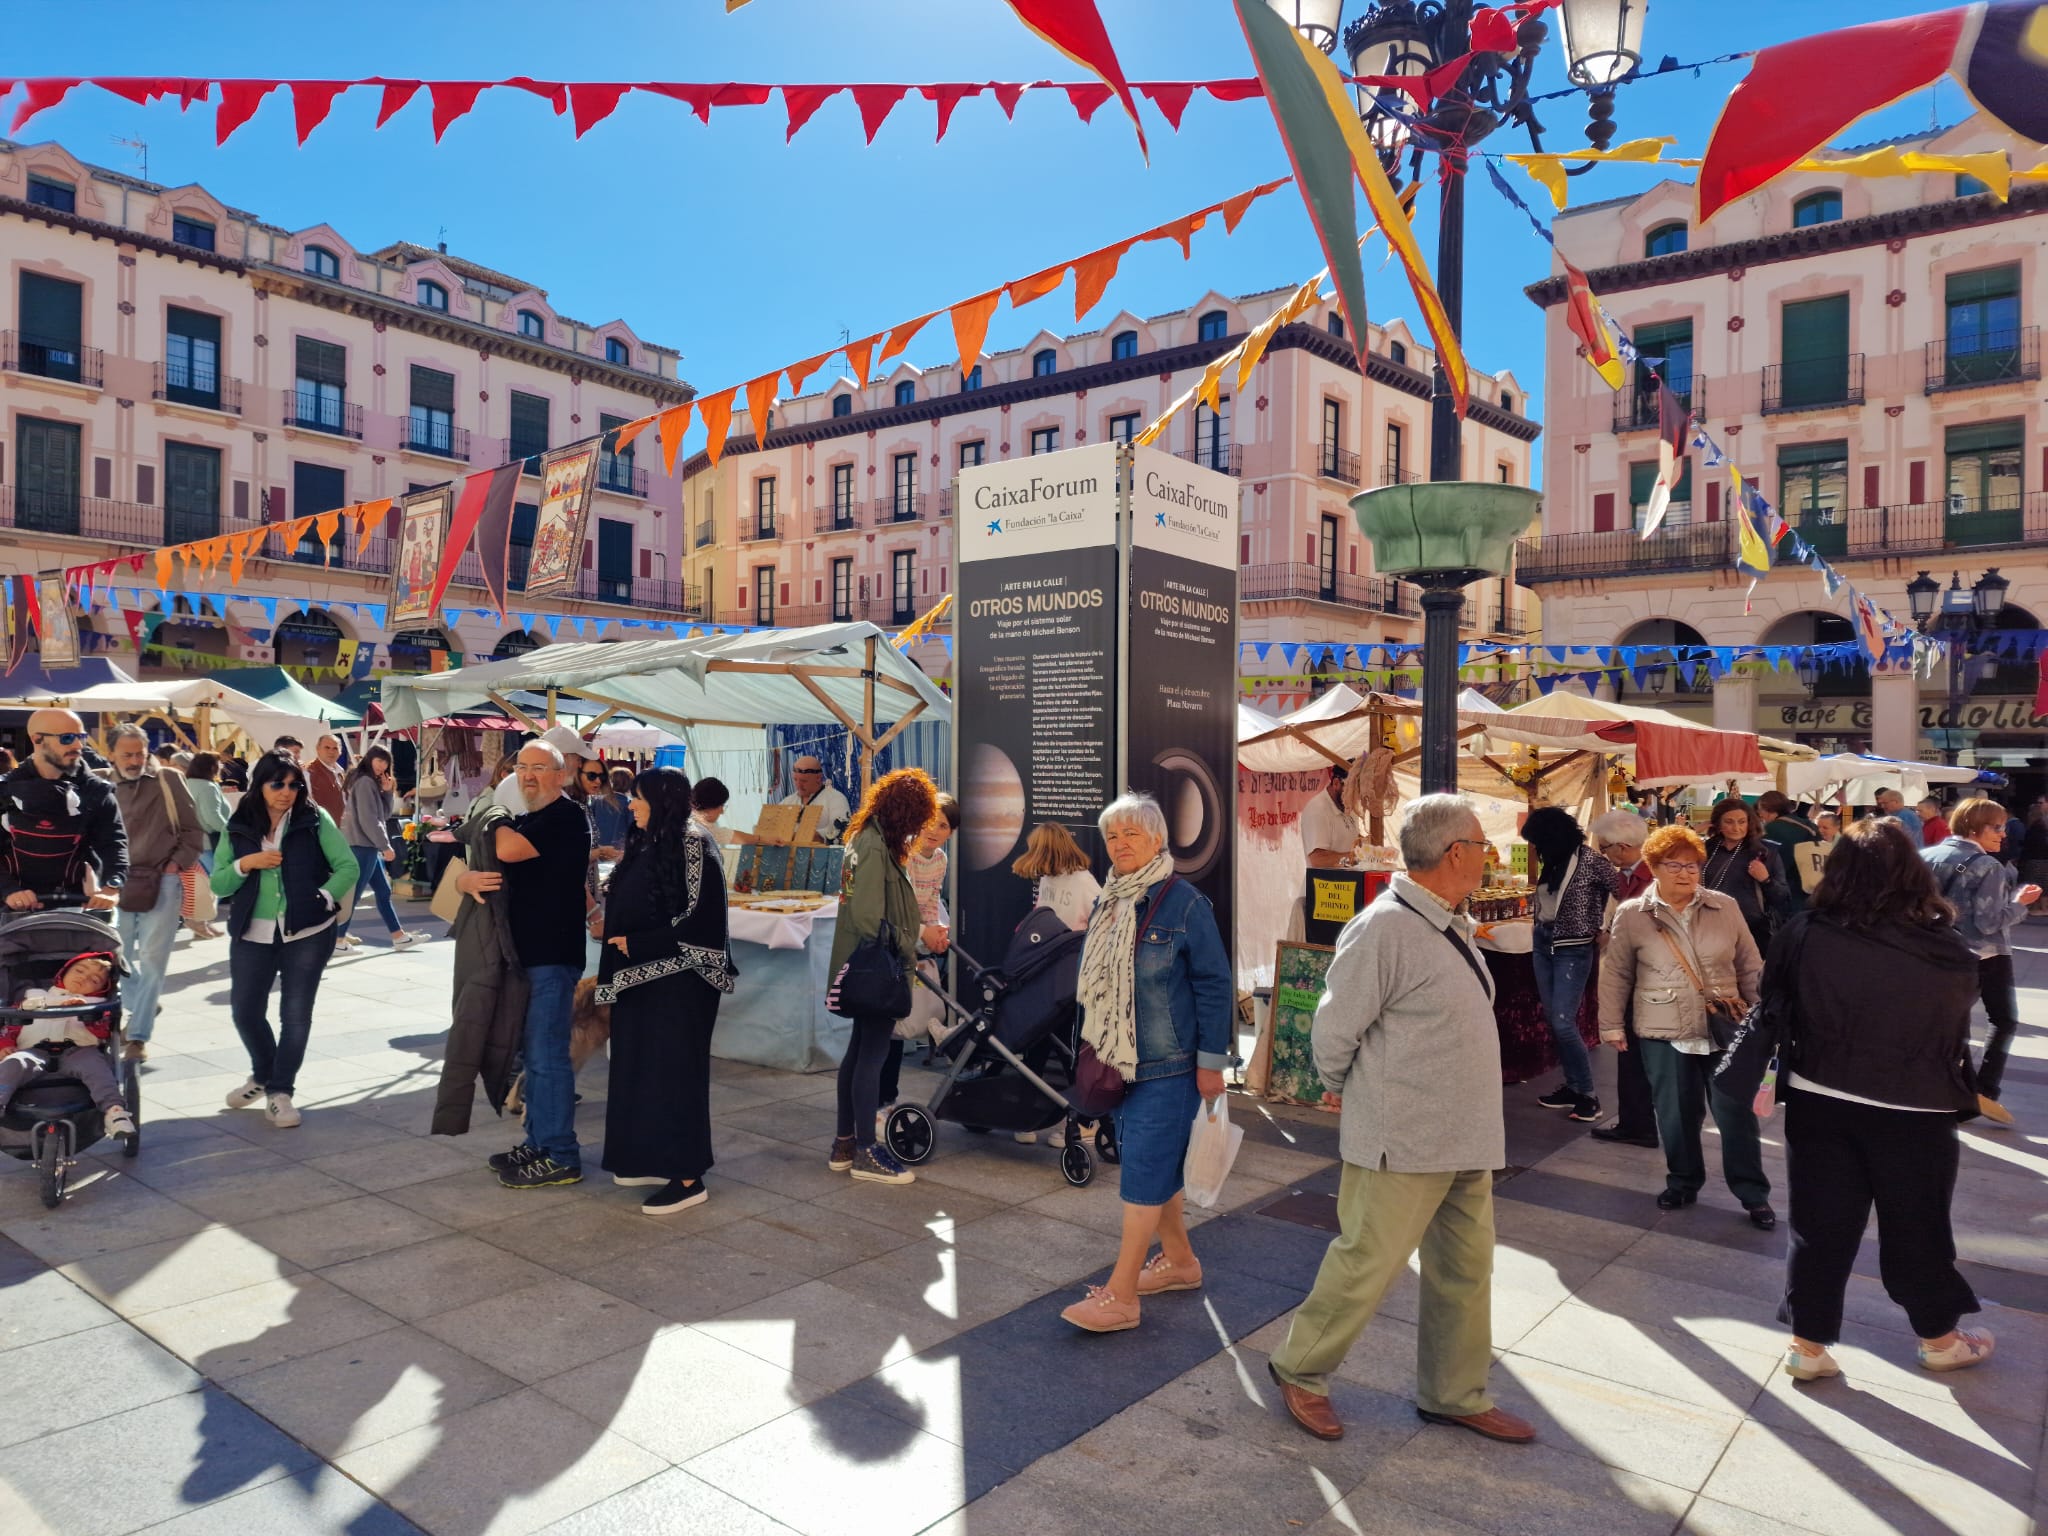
{"type": "Point", "coordinates": [1442, 603]}
{"type": "Point", "coordinates": [1955, 695]}
{"type": "Point", "coordinates": [1446, 432]}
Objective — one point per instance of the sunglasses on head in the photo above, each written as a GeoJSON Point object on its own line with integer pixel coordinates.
{"type": "Point", "coordinates": [65, 738]}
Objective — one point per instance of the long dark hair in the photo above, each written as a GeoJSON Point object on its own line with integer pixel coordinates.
{"type": "Point", "coordinates": [1556, 835]}
{"type": "Point", "coordinates": [667, 833]}
{"type": "Point", "coordinates": [1752, 837]}
{"type": "Point", "coordinates": [1875, 875]}
{"type": "Point", "coordinates": [252, 815]}
{"type": "Point", "coordinates": [361, 767]}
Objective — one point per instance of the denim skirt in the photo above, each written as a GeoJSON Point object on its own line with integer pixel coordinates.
{"type": "Point", "coordinates": [1152, 1128]}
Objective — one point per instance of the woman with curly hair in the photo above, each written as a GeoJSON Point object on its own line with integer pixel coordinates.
{"type": "Point", "coordinates": [665, 963]}
{"type": "Point", "coordinates": [897, 808]}
{"type": "Point", "coordinates": [1742, 865]}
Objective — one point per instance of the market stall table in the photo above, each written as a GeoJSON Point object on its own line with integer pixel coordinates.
{"type": "Point", "coordinates": [775, 1016]}
{"type": "Point", "coordinates": [1527, 1049]}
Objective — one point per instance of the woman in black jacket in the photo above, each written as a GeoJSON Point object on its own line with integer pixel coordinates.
{"type": "Point", "coordinates": [664, 969]}
{"type": "Point", "coordinates": [1874, 987]}
{"type": "Point", "coordinates": [1572, 887]}
{"type": "Point", "coordinates": [1741, 864]}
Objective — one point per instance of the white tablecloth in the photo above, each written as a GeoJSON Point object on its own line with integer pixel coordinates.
{"type": "Point", "coordinates": [776, 1014]}
{"type": "Point", "coordinates": [1516, 936]}
{"type": "Point", "coordinates": [779, 930]}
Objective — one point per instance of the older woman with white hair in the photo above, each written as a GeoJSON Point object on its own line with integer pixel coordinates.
{"type": "Point", "coordinates": [1157, 997]}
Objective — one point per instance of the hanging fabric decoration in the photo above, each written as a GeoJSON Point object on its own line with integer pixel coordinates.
{"type": "Point", "coordinates": [970, 326]}
{"type": "Point", "coordinates": [1075, 28]}
{"type": "Point", "coordinates": [674, 422]}
{"type": "Point", "coordinates": [494, 539]}
{"type": "Point", "coordinates": [716, 411]}
{"type": "Point", "coordinates": [1674, 428]}
{"type": "Point", "coordinates": [1549, 169]}
{"type": "Point", "coordinates": [1585, 320]}
{"type": "Point", "coordinates": [1752, 552]}
{"type": "Point", "coordinates": [760, 401]}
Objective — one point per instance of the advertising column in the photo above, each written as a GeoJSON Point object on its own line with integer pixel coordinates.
{"type": "Point", "coordinates": [1180, 709]}
{"type": "Point", "coordinates": [1036, 629]}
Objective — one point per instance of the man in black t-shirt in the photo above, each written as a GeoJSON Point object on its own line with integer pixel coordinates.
{"type": "Point", "coordinates": [546, 854]}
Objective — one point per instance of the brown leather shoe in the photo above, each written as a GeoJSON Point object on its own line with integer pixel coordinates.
{"type": "Point", "coordinates": [1495, 1424]}
{"type": "Point", "coordinates": [1311, 1410]}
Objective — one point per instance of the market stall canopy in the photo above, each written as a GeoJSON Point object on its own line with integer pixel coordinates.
{"type": "Point", "coordinates": [185, 697]}
{"type": "Point", "coordinates": [813, 676]}
{"type": "Point", "coordinates": [281, 691]}
{"type": "Point", "coordinates": [1667, 749]}
{"type": "Point", "coordinates": [1863, 776]}
{"type": "Point", "coordinates": [1333, 727]}
{"type": "Point", "coordinates": [359, 698]}
{"type": "Point", "coordinates": [29, 679]}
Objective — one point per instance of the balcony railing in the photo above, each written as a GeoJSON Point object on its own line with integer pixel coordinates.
{"type": "Point", "coordinates": [1577, 556]}
{"type": "Point", "coordinates": [442, 442]}
{"type": "Point", "coordinates": [86, 517]}
{"type": "Point", "coordinates": [2004, 357]}
{"type": "Point", "coordinates": [182, 384]}
{"type": "Point", "coordinates": [903, 508]}
{"type": "Point", "coordinates": [312, 413]}
{"type": "Point", "coordinates": [1814, 384]}
{"type": "Point", "coordinates": [707, 531]}
{"type": "Point", "coordinates": [1636, 410]}
{"type": "Point", "coordinates": [51, 358]}
{"type": "Point", "coordinates": [840, 517]}
{"type": "Point", "coordinates": [1394, 474]}
{"type": "Point", "coordinates": [1960, 522]}
{"type": "Point", "coordinates": [946, 502]}
{"type": "Point", "coordinates": [638, 592]}
{"type": "Point", "coordinates": [1510, 621]}
{"type": "Point", "coordinates": [758, 530]}
{"type": "Point", "coordinates": [1278, 583]}
{"type": "Point", "coordinates": [1225, 458]}
{"type": "Point", "coordinates": [1340, 465]}
{"type": "Point", "coordinates": [618, 476]}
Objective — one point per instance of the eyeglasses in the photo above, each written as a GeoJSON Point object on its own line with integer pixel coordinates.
{"type": "Point", "coordinates": [808, 773]}
{"type": "Point", "coordinates": [65, 738]}
{"type": "Point", "coordinates": [1674, 867]}
{"type": "Point", "coordinates": [1470, 842]}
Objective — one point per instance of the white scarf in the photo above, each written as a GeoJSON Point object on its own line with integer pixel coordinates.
{"type": "Point", "coordinates": [1107, 993]}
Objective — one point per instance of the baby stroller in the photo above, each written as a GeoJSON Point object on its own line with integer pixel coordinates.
{"type": "Point", "coordinates": [1005, 1049]}
{"type": "Point", "coordinates": [51, 1120]}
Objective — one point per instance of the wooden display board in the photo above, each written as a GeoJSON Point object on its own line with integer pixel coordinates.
{"type": "Point", "coordinates": [1299, 973]}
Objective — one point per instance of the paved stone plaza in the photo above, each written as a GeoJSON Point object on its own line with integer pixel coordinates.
{"type": "Point", "coordinates": [349, 1327]}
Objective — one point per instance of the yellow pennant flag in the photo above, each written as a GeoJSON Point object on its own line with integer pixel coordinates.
{"type": "Point", "coordinates": [1548, 169]}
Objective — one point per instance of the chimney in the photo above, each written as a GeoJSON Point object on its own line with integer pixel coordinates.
{"type": "Point", "coordinates": [444, 247]}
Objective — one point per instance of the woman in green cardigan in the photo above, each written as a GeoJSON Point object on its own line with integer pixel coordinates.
{"type": "Point", "coordinates": [282, 871]}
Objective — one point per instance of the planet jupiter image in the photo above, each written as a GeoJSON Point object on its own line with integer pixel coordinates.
{"type": "Point", "coordinates": [993, 796]}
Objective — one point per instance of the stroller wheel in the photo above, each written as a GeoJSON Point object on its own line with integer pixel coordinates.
{"type": "Point", "coordinates": [1076, 1164]}
{"type": "Point", "coordinates": [908, 1132]}
{"type": "Point", "coordinates": [1105, 1141]}
{"type": "Point", "coordinates": [50, 1167]}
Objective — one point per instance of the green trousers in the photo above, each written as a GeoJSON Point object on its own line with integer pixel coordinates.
{"type": "Point", "coordinates": [1385, 1217]}
{"type": "Point", "coordinates": [1682, 1088]}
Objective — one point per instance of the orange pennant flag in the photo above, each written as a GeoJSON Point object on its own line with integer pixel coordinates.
{"type": "Point", "coordinates": [798, 372]}
{"type": "Point", "coordinates": [675, 421]}
{"type": "Point", "coordinates": [1181, 231]}
{"type": "Point", "coordinates": [717, 413]}
{"type": "Point", "coordinates": [372, 514]}
{"type": "Point", "coordinates": [1037, 286]}
{"type": "Point", "coordinates": [239, 549]}
{"type": "Point", "coordinates": [760, 401]}
{"type": "Point", "coordinates": [163, 569]}
{"type": "Point", "coordinates": [629, 431]}
{"type": "Point", "coordinates": [858, 356]}
{"type": "Point", "coordinates": [329, 524]}
{"type": "Point", "coordinates": [1092, 274]}
{"type": "Point", "coordinates": [902, 336]}
{"type": "Point", "coordinates": [970, 325]}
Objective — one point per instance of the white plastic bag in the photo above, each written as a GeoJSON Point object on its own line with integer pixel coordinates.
{"type": "Point", "coordinates": [1212, 1149]}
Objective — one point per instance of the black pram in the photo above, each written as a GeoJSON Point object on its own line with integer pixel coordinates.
{"type": "Point", "coordinates": [1006, 1051]}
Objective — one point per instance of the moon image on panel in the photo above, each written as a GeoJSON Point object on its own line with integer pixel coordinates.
{"type": "Point", "coordinates": [993, 796]}
{"type": "Point", "coordinates": [1194, 810]}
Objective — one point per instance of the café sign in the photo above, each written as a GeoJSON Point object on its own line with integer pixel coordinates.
{"type": "Point", "coordinates": [1852, 716]}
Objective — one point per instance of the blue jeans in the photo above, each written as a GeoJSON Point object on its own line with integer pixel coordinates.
{"type": "Point", "coordinates": [146, 943]}
{"type": "Point", "coordinates": [370, 871]}
{"type": "Point", "coordinates": [1561, 977]}
{"type": "Point", "coordinates": [550, 1081]}
{"type": "Point", "coordinates": [274, 1060]}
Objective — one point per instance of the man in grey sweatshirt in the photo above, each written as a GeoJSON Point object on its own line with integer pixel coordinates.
{"type": "Point", "coordinates": [1405, 1034]}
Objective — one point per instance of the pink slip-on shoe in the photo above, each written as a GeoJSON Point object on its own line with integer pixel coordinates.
{"type": "Point", "coordinates": [1101, 1312]}
{"type": "Point", "coordinates": [1159, 1274]}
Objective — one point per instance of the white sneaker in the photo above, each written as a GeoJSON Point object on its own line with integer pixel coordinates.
{"type": "Point", "coordinates": [625, 1181]}
{"type": "Point", "coordinates": [404, 940]}
{"type": "Point", "coordinates": [1801, 1366]}
{"type": "Point", "coordinates": [246, 1095]}
{"type": "Point", "coordinates": [1025, 1138]}
{"type": "Point", "coordinates": [347, 941]}
{"type": "Point", "coordinates": [882, 1121]}
{"type": "Point", "coordinates": [117, 1121]}
{"type": "Point", "coordinates": [1973, 1346]}
{"type": "Point", "coordinates": [281, 1111]}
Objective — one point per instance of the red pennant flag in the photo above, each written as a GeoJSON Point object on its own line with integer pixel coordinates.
{"type": "Point", "coordinates": [311, 102]}
{"type": "Point", "coordinates": [32, 601]}
{"type": "Point", "coordinates": [947, 97]}
{"type": "Point", "coordinates": [717, 413]}
{"type": "Point", "coordinates": [39, 96]}
{"type": "Point", "coordinates": [190, 91]}
{"type": "Point", "coordinates": [134, 618]}
{"type": "Point", "coordinates": [239, 100]}
{"type": "Point", "coordinates": [553, 92]}
{"type": "Point", "coordinates": [760, 401]}
{"type": "Point", "coordinates": [494, 535]}
{"type": "Point", "coordinates": [970, 325]}
{"type": "Point", "coordinates": [469, 507]}
{"type": "Point", "coordinates": [1086, 99]}
{"type": "Point", "coordinates": [1234, 90]}
{"type": "Point", "coordinates": [452, 99]}
{"type": "Point", "coordinates": [698, 98]}
{"type": "Point", "coordinates": [1582, 317]}
{"type": "Point", "coordinates": [802, 103]}
{"type": "Point", "coordinates": [1008, 94]}
{"type": "Point", "coordinates": [141, 91]}
{"type": "Point", "coordinates": [1075, 28]}
{"type": "Point", "coordinates": [594, 103]}
{"type": "Point", "coordinates": [1171, 98]}
{"type": "Point", "coordinates": [876, 102]}
{"type": "Point", "coordinates": [396, 94]}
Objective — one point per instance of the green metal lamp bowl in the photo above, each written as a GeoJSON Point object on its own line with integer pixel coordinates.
{"type": "Point", "coordinates": [1445, 526]}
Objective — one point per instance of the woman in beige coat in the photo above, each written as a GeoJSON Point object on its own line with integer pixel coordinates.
{"type": "Point", "coordinates": [1673, 949]}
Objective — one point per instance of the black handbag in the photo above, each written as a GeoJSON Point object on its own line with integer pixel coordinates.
{"type": "Point", "coordinates": [873, 983]}
{"type": "Point", "coordinates": [1765, 1033]}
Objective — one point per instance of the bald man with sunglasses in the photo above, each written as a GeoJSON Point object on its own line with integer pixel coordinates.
{"type": "Point", "coordinates": [60, 826]}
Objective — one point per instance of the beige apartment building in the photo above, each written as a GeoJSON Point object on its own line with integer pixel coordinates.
{"type": "Point", "coordinates": [1868, 352]}
{"type": "Point", "coordinates": [173, 368]}
{"type": "Point", "coordinates": [847, 512]}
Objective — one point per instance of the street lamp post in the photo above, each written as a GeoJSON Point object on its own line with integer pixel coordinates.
{"type": "Point", "coordinates": [1603, 43]}
{"type": "Point", "coordinates": [1957, 616]}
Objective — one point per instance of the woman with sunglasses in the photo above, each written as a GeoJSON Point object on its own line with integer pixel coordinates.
{"type": "Point", "coordinates": [283, 870]}
{"type": "Point", "coordinates": [369, 801]}
{"type": "Point", "coordinates": [610, 818]}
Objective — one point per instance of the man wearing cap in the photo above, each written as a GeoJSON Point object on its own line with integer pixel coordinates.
{"type": "Point", "coordinates": [813, 788]}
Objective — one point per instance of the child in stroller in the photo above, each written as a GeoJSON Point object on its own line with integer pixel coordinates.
{"type": "Point", "coordinates": [65, 1035]}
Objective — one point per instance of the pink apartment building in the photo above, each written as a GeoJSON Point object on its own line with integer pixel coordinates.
{"type": "Point", "coordinates": [848, 513]}
{"type": "Point", "coordinates": [1868, 352]}
{"type": "Point", "coordinates": [173, 368]}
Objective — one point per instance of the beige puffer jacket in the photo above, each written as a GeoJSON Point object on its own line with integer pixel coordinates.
{"type": "Point", "coordinates": [1638, 968]}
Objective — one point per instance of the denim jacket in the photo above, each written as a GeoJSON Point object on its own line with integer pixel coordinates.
{"type": "Point", "coordinates": [1185, 993]}
{"type": "Point", "coordinates": [1981, 889]}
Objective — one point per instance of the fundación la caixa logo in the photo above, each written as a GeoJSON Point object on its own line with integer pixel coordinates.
{"type": "Point", "coordinates": [1208, 519]}
{"type": "Point", "coordinates": [1040, 493]}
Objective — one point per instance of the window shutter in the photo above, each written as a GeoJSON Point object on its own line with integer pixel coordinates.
{"type": "Point", "coordinates": [1983, 436]}
{"type": "Point", "coordinates": [1713, 501]}
{"type": "Point", "coordinates": [1870, 486]}
{"type": "Point", "coordinates": [241, 501]}
{"type": "Point", "coordinates": [586, 554]}
{"type": "Point", "coordinates": [1640, 478]}
{"type": "Point", "coordinates": [1603, 512]}
{"type": "Point", "coordinates": [646, 563]}
{"type": "Point", "coordinates": [103, 478]}
{"type": "Point", "coordinates": [434, 390]}
{"type": "Point", "coordinates": [322, 362]}
{"type": "Point", "coordinates": [1817, 329]}
{"type": "Point", "coordinates": [529, 421]}
{"type": "Point", "coordinates": [1987, 283]}
{"type": "Point", "coordinates": [51, 309]}
{"type": "Point", "coordinates": [1792, 455]}
{"type": "Point", "coordinates": [145, 484]}
{"type": "Point", "coordinates": [1916, 481]}
{"type": "Point", "coordinates": [193, 324]}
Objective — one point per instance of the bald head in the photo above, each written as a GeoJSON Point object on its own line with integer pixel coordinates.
{"type": "Point", "coordinates": [52, 755]}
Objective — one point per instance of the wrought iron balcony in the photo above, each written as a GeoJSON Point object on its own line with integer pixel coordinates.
{"type": "Point", "coordinates": [839, 517]}
{"type": "Point", "coordinates": [26, 510]}
{"type": "Point", "coordinates": [1225, 458]}
{"type": "Point", "coordinates": [182, 384]}
{"type": "Point", "coordinates": [616, 475]}
{"type": "Point", "coordinates": [52, 357]}
{"type": "Point", "coordinates": [2003, 357]}
{"type": "Point", "coordinates": [1339, 464]}
{"type": "Point", "coordinates": [1813, 384]}
{"type": "Point", "coordinates": [758, 530]}
{"type": "Point", "coordinates": [1622, 551]}
{"type": "Point", "coordinates": [1394, 474]}
{"type": "Point", "coordinates": [1310, 583]}
{"type": "Point", "coordinates": [1635, 410]}
{"type": "Point", "coordinates": [707, 531]}
{"type": "Point", "coordinates": [442, 442]}
{"type": "Point", "coordinates": [904, 508]}
{"type": "Point", "coordinates": [310, 412]}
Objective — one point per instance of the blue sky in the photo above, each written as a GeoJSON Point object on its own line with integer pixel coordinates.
{"type": "Point", "coordinates": [745, 252]}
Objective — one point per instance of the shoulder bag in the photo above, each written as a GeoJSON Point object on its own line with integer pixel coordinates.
{"type": "Point", "coordinates": [874, 982]}
{"type": "Point", "coordinates": [1748, 1069]}
{"type": "Point", "coordinates": [1724, 1014]}
{"type": "Point", "coordinates": [1098, 1088]}
{"type": "Point", "coordinates": [140, 890]}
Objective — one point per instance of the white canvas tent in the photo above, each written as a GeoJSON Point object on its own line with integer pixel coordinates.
{"type": "Point", "coordinates": [1863, 776]}
{"type": "Point", "coordinates": [1566, 721]}
{"type": "Point", "coordinates": [196, 705]}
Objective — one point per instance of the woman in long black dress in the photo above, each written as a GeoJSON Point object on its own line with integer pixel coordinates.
{"type": "Point", "coordinates": [665, 965]}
